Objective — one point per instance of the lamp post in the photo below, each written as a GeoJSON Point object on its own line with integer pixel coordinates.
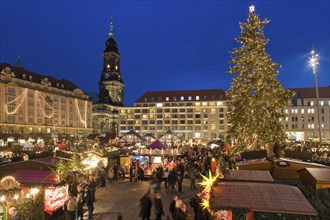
{"type": "Point", "coordinates": [314, 63]}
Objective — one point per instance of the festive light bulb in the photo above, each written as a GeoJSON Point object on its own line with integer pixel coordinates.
{"type": "Point", "coordinates": [2, 198]}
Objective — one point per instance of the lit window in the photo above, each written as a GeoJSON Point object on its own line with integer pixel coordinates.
{"type": "Point", "coordinates": [286, 119]}
{"type": "Point", "coordinates": [302, 111]}
{"type": "Point", "coordinates": [312, 103]}
{"type": "Point", "coordinates": [197, 97]}
{"type": "Point", "coordinates": [182, 98]}
{"type": "Point", "coordinates": [189, 98]}
{"type": "Point", "coordinates": [167, 99]}
{"type": "Point", "coordinates": [174, 98]}
{"type": "Point", "coordinates": [219, 103]}
{"type": "Point", "coordinates": [286, 111]}
{"type": "Point", "coordinates": [321, 103]}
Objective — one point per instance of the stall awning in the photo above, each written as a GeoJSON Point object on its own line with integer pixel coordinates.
{"type": "Point", "coordinates": [157, 145]}
{"type": "Point", "coordinates": [35, 176]}
{"type": "Point", "coordinates": [262, 197]}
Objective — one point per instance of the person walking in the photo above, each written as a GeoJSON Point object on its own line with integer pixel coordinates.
{"type": "Point", "coordinates": [80, 204]}
{"type": "Point", "coordinates": [145, 204]}
{"type": "Point", "coordinates": [115, 172]}
{"type": "Point", "coordinates": [180, 180]}
{"type": "Point", "coordinates": [195, 204]}
{"type": "Point", "coordinates": [192, 175]}
{"type": "Point", "coordinates": [159, 211]}
{"type": "Point", "coordinates": [102, 176]}
{"type": "Point", "coordinates": [182, 213]}
{"type": "Point", "coordinates": [110, 174]}
{"type": "Point", "coordinates": [172, 206]}
{"type": "Point", "coordinates": [89, 202]}
{"type": "Point", "coordinates": [70, 207]}
{"type": "Point", "coordinates": [171, 179]}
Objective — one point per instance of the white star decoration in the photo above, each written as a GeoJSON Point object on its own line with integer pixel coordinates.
{"type": "Point", "coordinates": [251, 8]}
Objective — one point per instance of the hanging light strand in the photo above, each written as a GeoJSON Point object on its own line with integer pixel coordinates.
{"type": "Point", "coordinates": [42, 108]}
{"type": "Point", "coordinates": [22, 96]}
{"type": "Point", "coordinates": [79, 114]}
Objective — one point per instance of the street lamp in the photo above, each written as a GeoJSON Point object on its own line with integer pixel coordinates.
{"type": "Point", "coordinates": [314, 62]}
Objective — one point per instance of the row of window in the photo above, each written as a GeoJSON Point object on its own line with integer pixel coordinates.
{"type": "Point", "coordinates": [168, 110]}
{"type": "Point", "coordinates": [309, 126]}
{"type": "Point", "coordinates": [309, 111]}
{"type": "Point", "coordinates": [182, 98]}
{"type": "Point", "coordinates": [173, 128]}
{"type": "Point", "coordinates": [159, 122]}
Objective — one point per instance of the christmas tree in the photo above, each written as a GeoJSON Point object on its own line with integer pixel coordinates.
{"type": "Point", "coordinates": [256, 98]}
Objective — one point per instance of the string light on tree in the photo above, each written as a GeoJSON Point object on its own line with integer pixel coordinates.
{"type": "Point", "coordinates": [256, 98]}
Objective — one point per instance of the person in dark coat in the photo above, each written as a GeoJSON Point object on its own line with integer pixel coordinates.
{"type": "Point", "coordinates": [171, 179]}
{"type": "Point", "coordinates": [172, 206]}
{"type": "Point", "coordinates": [141, 174]}
{"type": "Point", "coordinates": [182, 214]}
{"type": "Point", "coordinates": [195, 204]}
{"type": "Point", "coordinates": [180, 180]}
{"type": "Point", "coordinates": [88, 199]}
{"type": "Point", "coordinates": [145, 204]}
{"type": "Point", "coordinates": [159, 211]}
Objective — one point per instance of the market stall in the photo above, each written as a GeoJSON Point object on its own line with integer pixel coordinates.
{"type": "Point", "coordinates": [154, 155]}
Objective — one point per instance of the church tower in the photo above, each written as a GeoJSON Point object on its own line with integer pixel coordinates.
{"type": "Point", "coordinates": [111, 90]}
{"type": "Point", "coordinates": [111, 85]}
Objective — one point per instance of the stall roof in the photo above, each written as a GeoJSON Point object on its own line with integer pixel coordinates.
{"type": "Point", "coordinates": [263, 197]}
{"type": "Point", "coordinates": [35, 176]}
{"type": "Point", "coordinates": [157, 145]}
{"type": "Point", "coordinates": [319, 174]}
{"type": "Point", "coordinates": [249, 175]}
{"type": "Point", "coordinates": [50, 160]}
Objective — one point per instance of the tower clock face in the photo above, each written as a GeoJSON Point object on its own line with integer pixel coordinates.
{"type": "Point", "coordinates": [106, 76]}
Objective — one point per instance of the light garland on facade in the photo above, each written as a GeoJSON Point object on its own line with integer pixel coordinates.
{"type": "Point", "coordinates": [42, 109]}
{"type": "Point", "coordinates": [19, 105]}
{"type": "Point", "coordinates": [79, 114]}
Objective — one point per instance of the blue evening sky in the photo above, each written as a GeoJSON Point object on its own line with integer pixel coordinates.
{"type": "Point", "coordinates": [164, 45]}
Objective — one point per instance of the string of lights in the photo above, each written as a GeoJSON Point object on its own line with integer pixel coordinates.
{"type": "Point", "coordinates": [14, 100]}
{"type": "Point", "coordinates": [42, 108]}
{"type": "Point", "coordinates": [79, 114]}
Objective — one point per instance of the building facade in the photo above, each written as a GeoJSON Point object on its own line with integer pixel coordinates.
{"type": "Point", "coordinates": [111, 90]}
{"type": "Point", "coordinates": [202, 114]}
{"type": "Point", "coordinates": [34, 104]}
{"type": "Point", "coordinates": [196, 114]}
{"type": "Point", "coordinates": [301, 122]}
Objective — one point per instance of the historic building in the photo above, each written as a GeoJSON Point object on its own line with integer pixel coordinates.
{"type": "Point", "coordinates": [111, 90]}
{"type": "Point", "coordinates": [201, 114]}
{"type": "Point", "coordinates": [195, 114]}
{"type": "Point", "coordinates": [33, 104]}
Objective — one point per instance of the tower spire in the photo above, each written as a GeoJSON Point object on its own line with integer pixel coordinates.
{"type": "Point", "coordinates": [111, 34]}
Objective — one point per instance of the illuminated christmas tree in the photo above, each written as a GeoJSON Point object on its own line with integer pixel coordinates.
{"type": "Point", "coordinates": [256, 98]}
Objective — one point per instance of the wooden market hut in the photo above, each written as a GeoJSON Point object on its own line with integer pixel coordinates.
{"type": "Point", "coordinates": [316, 178]}
{"type": "Point", "coordinates": [260, 197]}
{"type": "Point", "coordinates": [281, 168]}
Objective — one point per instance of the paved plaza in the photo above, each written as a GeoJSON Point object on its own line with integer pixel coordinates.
{"type": "Point", "coordinates": [122, 198]}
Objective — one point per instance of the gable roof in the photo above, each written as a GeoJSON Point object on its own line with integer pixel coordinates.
{"type": "Point", "coordinates": [262, 197]}
{"type": "Point", "coordinates": [319, 174]}
{"type": "Point", "coordinates": [36, 176]}
{"type": "Point", "coordinates": [157, 145]}
{"type": "Point", "coordinates": [249, 175]}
